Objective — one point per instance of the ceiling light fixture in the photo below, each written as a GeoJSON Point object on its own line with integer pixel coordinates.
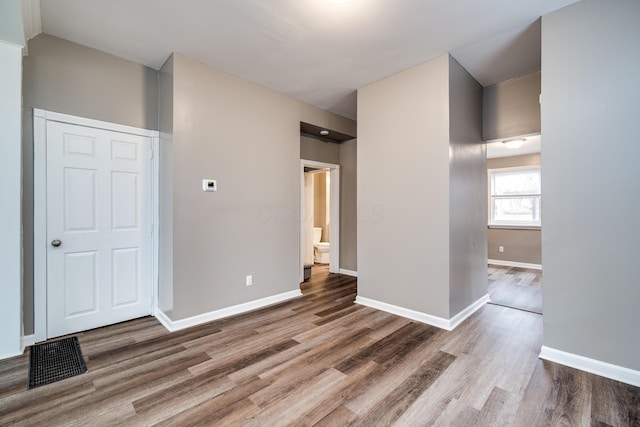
{"type": "Point", "coordinates": [324, 132]}
{"type": "Point", "coordinates": [338, 1]}
{"type": "Point", "coordinates": [514, 143]}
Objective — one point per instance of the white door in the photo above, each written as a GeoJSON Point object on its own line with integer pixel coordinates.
{"type": "Point", "coordinates": [98, 227]}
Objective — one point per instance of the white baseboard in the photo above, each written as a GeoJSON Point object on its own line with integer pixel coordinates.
{"type": "Point", "coordinates": [348, 272]}
{"type": "Point", "coordinates": [464, 314]}
{"type": "Point", "coordinates": [176, 325]}
{"type": "Point", "coordinates": [163, 319]}
{"type": "Point", "coordinates": [439, 322]}
{"type": "Point", "coordinates": [515, 264]}
{"type": "Point", "coordinates": [436, 321]}
{"type": "Point", "coordinates": [607, 370]}
{"type": "Point", "coordinates": [26, 341]}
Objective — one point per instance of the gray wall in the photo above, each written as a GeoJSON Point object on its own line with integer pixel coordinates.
{"type": "Point", "coordinates": [348, 205]}
{"type": "Point", "coordinates": [591, 180]}
{"type": "Point", "coordinates": [512, 108]}
{"type": "Point", "coordinates": [320, 151]}
{"type": "Point", "coordinates": [519, 245]}
{"type": "Point", "coordinates": [345, 155]}
{"type": "Point", "coordinates": [250, 226]}
{"type": "Point", "coordinates": [403, 189]}
{"type": "Point", "coordinates": [467, 191]}
{"type": "Point", "coordinates": [422, 190]}
{"type": "Point", "coordinates": [69, 78]}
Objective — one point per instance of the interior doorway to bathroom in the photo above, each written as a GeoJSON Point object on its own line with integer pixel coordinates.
{"type": "Point", "coordinates": [319, 215]}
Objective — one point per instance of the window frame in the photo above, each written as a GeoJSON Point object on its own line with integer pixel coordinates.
{"type": "Point", "coordinates": [492, 223]}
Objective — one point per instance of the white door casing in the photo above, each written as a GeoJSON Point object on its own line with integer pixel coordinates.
{"type": "Point", "coordinates": [99, 205]}
{"type": "Point", "coordinates": [334, 230]}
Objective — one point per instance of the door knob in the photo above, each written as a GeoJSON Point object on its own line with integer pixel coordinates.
{"type": "Point", "coordinates": [56, 243]}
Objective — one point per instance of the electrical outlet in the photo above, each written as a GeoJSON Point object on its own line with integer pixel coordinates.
{"type": "Point", "coordinates": [249, 280]}
{"type": "Point", "coordinates": [500, 248]}
{"type": "Point", "coordinates": [209, 185]}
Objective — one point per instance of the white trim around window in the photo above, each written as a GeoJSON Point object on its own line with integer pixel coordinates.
{"type": "Point", "coordinates": [530, 199]}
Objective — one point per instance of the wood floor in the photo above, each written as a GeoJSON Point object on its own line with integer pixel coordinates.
{"type": "Point", "coordinates": [515, 287]}
{"type": "Point", "coordinates": [320, 360]}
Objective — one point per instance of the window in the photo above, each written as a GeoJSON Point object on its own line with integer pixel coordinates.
{"type": "Point", "coordinates": [515, 197]}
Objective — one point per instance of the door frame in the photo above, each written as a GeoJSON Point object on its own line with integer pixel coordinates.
{"type": "Point", "coordinates": [40, 119]}
{"type": "Point", "coordinates": [334, 213]}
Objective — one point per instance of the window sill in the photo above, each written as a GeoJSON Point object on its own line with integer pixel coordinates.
{"type": "Point", "coordinates": [514, 227]}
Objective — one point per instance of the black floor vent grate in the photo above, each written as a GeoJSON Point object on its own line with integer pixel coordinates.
{"type": "Point", "coordinates": [54, 361]}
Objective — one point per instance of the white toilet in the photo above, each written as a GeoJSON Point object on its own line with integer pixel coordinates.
{"type": "Point", "coordinates": [320, 249]}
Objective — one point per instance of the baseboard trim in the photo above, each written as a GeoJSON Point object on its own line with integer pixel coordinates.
{"type": "Point", "coordinates": [436, 321]}
{"type": "Point", "coordinates": [515, 264]}
{"type": "Point", "coordinates": [27, 341]}
{"type": "Point", "coordinates": [439, 322]}
{"type": "Point", "coordinates": [603, 369]}
{"type": "Point", "coordinates": [176, 325]}
{"type": "Point", "coordinates": [163, 319]}
{"type": "Point", "coordinates": [348, 272]}
{"type": "Point", "coordinates": [464, 314]}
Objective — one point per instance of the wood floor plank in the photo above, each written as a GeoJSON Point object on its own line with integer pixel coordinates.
{"type": "Point", "coordinates": [322, 360]}
{"type": "Point", "coordinates": [299, 370]}
{"type": "Point", "coordinates": [614, 403]}
{"type": "Point", "coordinates": [279, 360]}
{"type": "Point", "coordinates": [114, 396]}
{"type": "Point", "coordinates": [282, 412]}
{"type": "Point", "coordinates": [364, 316]}
{"type": "Point", "coordinates": [391, 347]}
{"type": "Point", "coordinates": [22, 407]}
{"type": "Point", "coordinates": [389, 409]}
{"type": "Point", "coordinates": [339, 395]}
{"type": "Point", "coordinates": [391, 373]}
{"type": "Point", "coordinates": [516, 287]}
{"type": "Point", "coordinates": [573, 401]}
{"type": "Point", "coordinates": [121, 380]}
{"type": "Point", "coordinates": [538, 401]}
{"type": "Point", "coordinates": [341, 416]}
{"type": "Point", "coordinates": [214, 410]}
{"type": "Point", "coordinates": [157, 408]}
{"type": "Point", "coordinates": [439, 403]}
{"type": "Point", "coordinates": [242, 360]}
{"type": "Point", "coordinates": [344, 310]}
{"type": "Point", "coordinates": [499, 409]}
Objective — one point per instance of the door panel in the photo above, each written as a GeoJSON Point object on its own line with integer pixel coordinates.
{"type": "Point", "coordinates": [80, 284]}
{"type": "Point", "coordinates": [124, 206]}
{"type": "Point", "coordinates": [79, 194]}
{"type": "Point", "coordinates": [98, 206]}
{"type": "Point", "coordinates": [125, 276]}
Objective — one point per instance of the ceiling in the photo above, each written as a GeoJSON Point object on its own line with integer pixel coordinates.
{"type": "Point", "coordinates": [531, 145]}
{"type": "Point", "coordinates": [314, 50]}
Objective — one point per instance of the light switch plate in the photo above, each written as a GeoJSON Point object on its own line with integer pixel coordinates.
{"type": "Point", "coordinates": [209, 185]}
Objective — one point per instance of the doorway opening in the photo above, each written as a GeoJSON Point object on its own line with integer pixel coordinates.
{"type": "Point", "coordinates": [319, 216]}
{"type": "Point", "coordinates": [515, 223]}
